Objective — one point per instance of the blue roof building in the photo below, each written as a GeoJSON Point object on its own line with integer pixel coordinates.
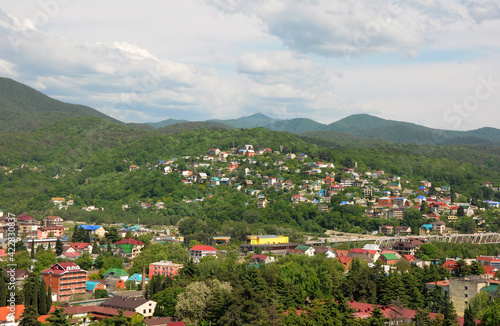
{"type": "Point", "coordinates": [91, 286]}
{"type": "Point", "coordinates": [137, 278]}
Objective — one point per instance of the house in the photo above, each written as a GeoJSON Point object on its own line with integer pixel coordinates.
{"type": "Point", "coordinates": [325, 250]}
{"type": "Point", "coordinates": [262, 203]}
{"type": "Point", "coordinates": [290, 156]}
{"type": "Point", "coordinates": [396, 213]}
{"type": "Point", "coordinates": [439, 226]}
{"type": "Point", "coordinates": [57, 200]}
{"type": "Point", "coordinates": [142, 306]}
{"type": "Point", "coordinates": [116, 273]}
{"type": "Point", "coordinates": [82, 247]}
{"type": "Point", "coordinates": [389, 258]}
{"type": "Point", "coordinates": [386, 229]}
{"type": "Point", "coordinates": [99, 313]}
{"type": "Point", "coordinates": [402, 230]}
{"type": "Point", "coordinates": [164, 268]}
{"type": "Point", "coordinates": [306, 250]}
{"type": "Point", "coordinates": [137, 279]}
{"type": "Point", "coordinates": [407, 247]}
{"type": "Point", "coordinates": [221, 240]}
{"type": "Point", "coordinates": [131, 241]}
{"type": "Point", "coordinates": [425, 229]}
{"type": "Point", "coordinates": [20, 276]}
{"type": "Point", "coordinates": [50, 232]}
{"type": "Point", "coordinates": [214, 182]}
{"type": "Point", "coordinates": [27, 224]}
{"type": "Point", "coordinates": [489, 261]}
{"type": "Point", "coordinates": [65, 280]}
{"type": "Point", "coordinates": [199, 251]}
{"type": "Point", "coordinates": [92, 286]}
{"type": "Point", "coordinates": [133, 167]}
{"type": "Point", "coordinates": [214, 151]}
{"type": "Point", "coordinates": [370, 256]}
{"type": "Point", "coordinates": [11, 317]}
{"type": "Point", "coordinates": [94, 230]}
{"type": "Point", "coordinates": [262, 259]}
{"type": "Point", "coordinates": [52, 221]}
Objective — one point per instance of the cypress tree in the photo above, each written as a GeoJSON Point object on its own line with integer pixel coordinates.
{"type": "Point", "coordinates": [3, 290]}
{"type": "Point", "coordinates": [33, 248]}
{"type": "Point", "coordinates": [49, 298]}
{"type": "Point", "coordinates": [59, 247]}
{"type": "Point", "coordinates": [469, 317]}
{"type": "Point", "coordinates": [34, 299]}
{"type": "Point", "coordinates": [42, 298]}
{"type": "Point", "coordinates": [28, 292]}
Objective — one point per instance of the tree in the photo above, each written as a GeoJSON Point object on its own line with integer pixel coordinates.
{"type": "Point", "coordinates": [491, 316]}
{"type": "Point", "coordinates": [84, 261]}
{"type": "Point", "coordinates": [422, 318]}
{"type": "Point", "coordinates": [377, 317]}
{"type": "Point", "coordinates": [448, 310]}
{"type": "Point", "coordinates": [101, 293]}
{"type": "Point", "coordinates": [3, 289]}
{"type": "Point", "coordinates": [460, 269]}
{"type": "Point", "coordinates": [460, 211]}
{"type": "Point", "coordinates": [49, 298]}
{"type": "Point", "coordinates": [42, 298]}
{"type": "Point", "coordinates": [29, 317]}
{"type": "Point", "coordinates": [58, 318]}
{"type": "Point", "coordinates": [475, 268]}
{"type": "Point", "coordinates": [467, 225]}
{"type": "Point", "coordinates": [166, 302]}
{"type": "Point", "coordinates": [59, 247]}
{"type": "Point", "coordinates": [33, 248]}
{"type": "Point", "coordinates": [469, 317]}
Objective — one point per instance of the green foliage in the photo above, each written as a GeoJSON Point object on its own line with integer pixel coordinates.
{"type": "Point", "coordinates": [58, 318]}
{"type": "Point", "coordinates": [101, 293]}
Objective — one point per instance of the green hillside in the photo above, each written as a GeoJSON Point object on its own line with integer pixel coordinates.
{"type": "Point", "coordinates": [22, 108]}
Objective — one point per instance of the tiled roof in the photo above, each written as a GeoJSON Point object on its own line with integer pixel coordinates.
{"type": "Point", "coordinates": [203, 248]}
{"type": "Point", "coordinates": [130, 241]}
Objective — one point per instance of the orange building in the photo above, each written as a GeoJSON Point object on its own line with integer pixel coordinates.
{"type": "Point", "coordinates": [165, 268]}
{"type": "Point", "coordinates": [65, 280]}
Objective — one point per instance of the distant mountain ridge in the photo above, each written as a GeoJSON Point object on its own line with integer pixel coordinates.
{"type": "Point", "coordinates": [23, 108]}
{"type": "Point", "coordinates": [366, 126]}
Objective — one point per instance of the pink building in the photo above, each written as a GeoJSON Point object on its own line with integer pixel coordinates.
{"type": "Point", "coordinates": [165, 268]}
{"type": "Point", "coordinates": [53, 231]}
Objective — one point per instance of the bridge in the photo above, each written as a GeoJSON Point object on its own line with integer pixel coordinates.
{"type": "Point", "coordinates": [476, 238]}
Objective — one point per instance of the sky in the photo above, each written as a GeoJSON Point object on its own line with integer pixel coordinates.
{"type": "Point", "coordinates": [430, 62]}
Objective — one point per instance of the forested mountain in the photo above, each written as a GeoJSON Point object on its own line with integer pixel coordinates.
{"type": "Point", "coordinates": [22, 108]}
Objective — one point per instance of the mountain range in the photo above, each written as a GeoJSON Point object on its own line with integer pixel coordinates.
{"type": "Point", "coordinates": [23, 108]}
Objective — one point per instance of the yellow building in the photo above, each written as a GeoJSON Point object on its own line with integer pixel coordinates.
{"type": "Point", "coordinates": [266, 239]}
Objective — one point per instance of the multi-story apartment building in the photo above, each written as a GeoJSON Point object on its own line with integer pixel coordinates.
{"type": "Point", "coordinates": [165, 268]}
{"type": "Point", "coordinates": [52, 221]}
{"type": "Point", "coordinates": [65, 280]}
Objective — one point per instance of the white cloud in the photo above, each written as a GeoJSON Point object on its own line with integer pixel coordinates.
{"type": "Point", "coordinates": [347, 28]}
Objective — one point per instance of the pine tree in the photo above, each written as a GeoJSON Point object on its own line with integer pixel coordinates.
{"type": "Point", "coordinates": [49, 298]}
{"type": "Point", "coordinates": [422, 318]}
{"type": "Point", "coordinates": [448, 310]}
{"type": "Point", "coordinates": [95, 248]}
{"type": "Point", "coordinates": [42, 298]}
{"type": "Point", "coordinates": [29, 317]}
{"type": "Point", "coordinates": [469, 317]}
{"type": "Point", "coordinates": [59, 247]}
{"type": "Point", "coordinates": [59, 318]}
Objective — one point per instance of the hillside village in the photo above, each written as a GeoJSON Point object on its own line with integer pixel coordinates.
{"type": "Point", "coordinates": [253, 172]}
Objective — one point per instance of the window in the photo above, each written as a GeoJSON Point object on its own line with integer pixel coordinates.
{"type": "Point", "coordinates": [144, 311]}
{"type": "Point", "coordinates": [149, 310]}
{"type": "Point", "coordinates": [466, 295]}
{"type": "Point", "coordinates": [466, 288]}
